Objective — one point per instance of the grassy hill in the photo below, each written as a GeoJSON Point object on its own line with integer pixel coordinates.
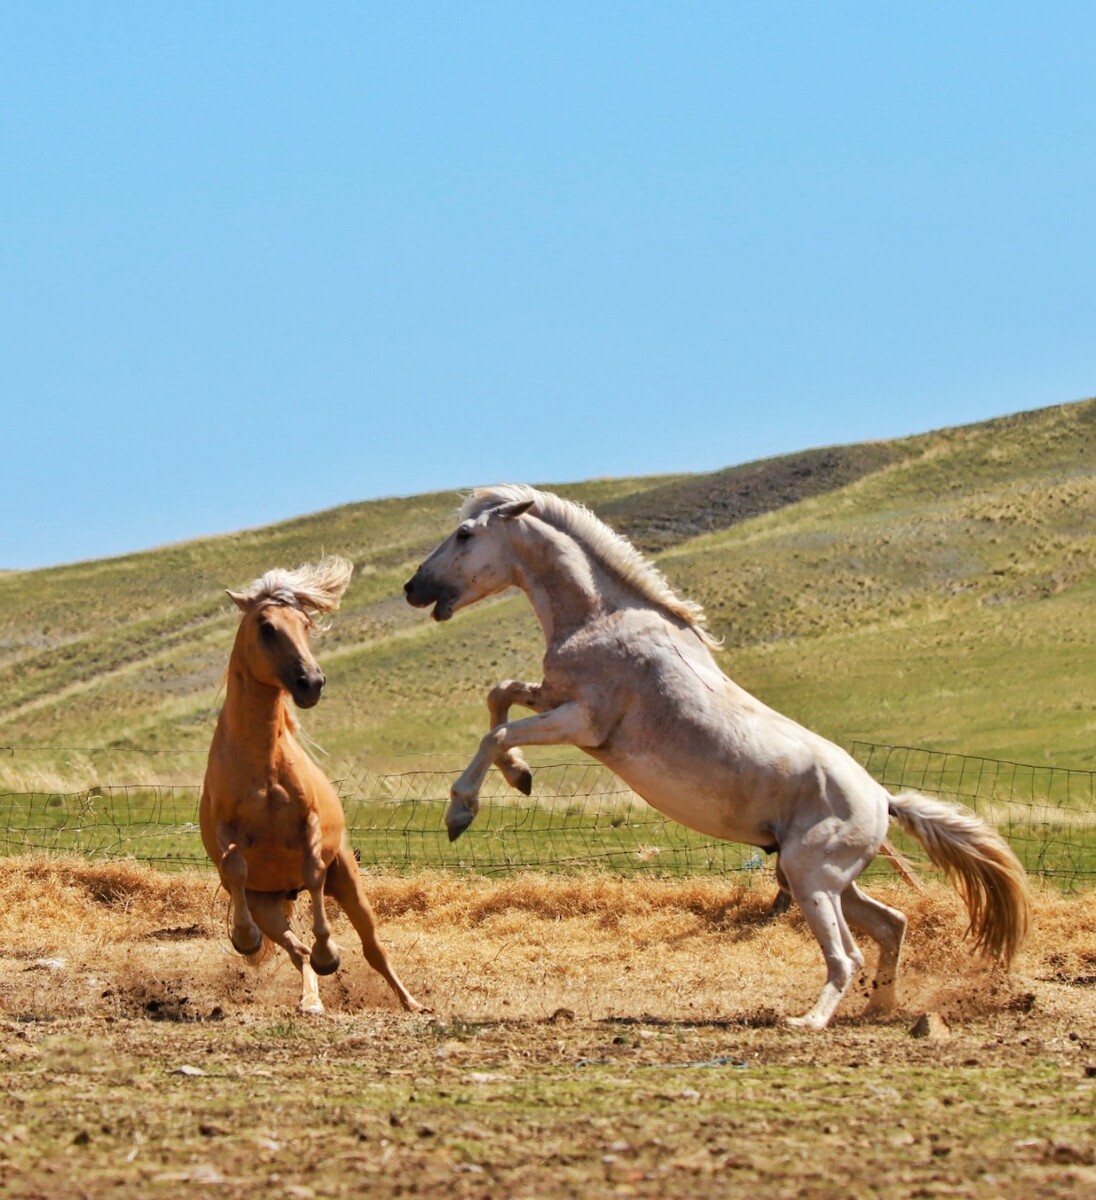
{"type": "Point", "coordinates": [933, 591]}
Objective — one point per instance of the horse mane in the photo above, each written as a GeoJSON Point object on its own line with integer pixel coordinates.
{"type": "Point", "coordinates": [609, 548]}
{"type": "Point", "coordinates": [311, 587]}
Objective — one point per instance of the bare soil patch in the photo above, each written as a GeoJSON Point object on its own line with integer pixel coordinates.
{"type": "Point", "coordinates": [588, 1036]}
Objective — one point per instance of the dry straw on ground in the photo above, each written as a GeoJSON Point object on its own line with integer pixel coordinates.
{"type": "Point", "coordinates": [589, 1036]}
{"type": "Point", "coordinates": [83, 938]}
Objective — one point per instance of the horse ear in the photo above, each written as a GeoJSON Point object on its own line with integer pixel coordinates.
{"type": "Point", "coordinates": [239, 599]}
{"type": "Point", "coordinates": [514, 508]}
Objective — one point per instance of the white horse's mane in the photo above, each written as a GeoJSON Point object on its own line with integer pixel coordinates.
{"type": "Point", "coordinates": [614, 552]}
{"type": "Point", "coordinates": [311, 587]}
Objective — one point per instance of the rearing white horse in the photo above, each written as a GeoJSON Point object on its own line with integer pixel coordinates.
{"type": "Point", "coordinates": [629, 677]}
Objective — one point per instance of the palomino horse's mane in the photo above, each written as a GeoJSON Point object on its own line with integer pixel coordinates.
{"type": "Point", "coordinates": [614, 552]}
{"type": "Point", "coordinates": [311, 587]}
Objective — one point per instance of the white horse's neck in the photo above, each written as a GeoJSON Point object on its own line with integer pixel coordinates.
{"type": "Point", "coordinates": [566, 587]}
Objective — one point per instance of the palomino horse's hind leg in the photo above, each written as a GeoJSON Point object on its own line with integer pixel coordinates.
{"type": "Point", "coordinates": [887, 927]}
{"type": "Point", "coordinates": [245, 935]}
{"type": "Point", "coordinates": [325, 954]}
{"type": "Point", "coordinates": [515, 770]}
{"type": "Point", "coordinates": [344, 884]}
{"type": "Point", "coordinates": [272, 911]}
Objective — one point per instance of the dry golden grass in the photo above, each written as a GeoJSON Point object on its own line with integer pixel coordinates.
{"type": "Point", "coordinates": [589, 1036]}
{"type": "Point", "coordinates": [85, 938]}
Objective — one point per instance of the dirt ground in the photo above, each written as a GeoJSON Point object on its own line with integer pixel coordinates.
{"type": "Point", "coordinates": [586, 1037]}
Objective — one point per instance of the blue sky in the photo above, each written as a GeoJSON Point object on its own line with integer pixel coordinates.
{"type": "Point", "coordinates": [262, 259]}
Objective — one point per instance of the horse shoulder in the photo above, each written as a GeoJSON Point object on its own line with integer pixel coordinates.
{"type": "Point", "coordinates": [616, 639]}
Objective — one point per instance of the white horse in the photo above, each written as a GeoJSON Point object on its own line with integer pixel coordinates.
{"type": "Point", "coordinates": [629, 677]}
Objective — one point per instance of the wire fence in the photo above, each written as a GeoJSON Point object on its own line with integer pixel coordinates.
{"type": "Point", "coordinates": [581, 816]}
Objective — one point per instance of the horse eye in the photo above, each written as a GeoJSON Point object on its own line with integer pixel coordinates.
{"type": "Point", "coordinates": [267, 631]}
{"type": "Point", "coordinates": [463, 533]}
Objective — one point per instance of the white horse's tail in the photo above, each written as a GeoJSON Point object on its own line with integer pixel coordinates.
{"type": "Point", "coordinates": [977, 859]}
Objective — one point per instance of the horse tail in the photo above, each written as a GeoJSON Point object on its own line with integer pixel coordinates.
{"type": "Point", "coordinates": [978, 861]}
{"type": "Point", "coordinates": [267, 949]}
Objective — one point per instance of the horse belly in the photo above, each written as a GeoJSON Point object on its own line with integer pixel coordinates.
{"type": "Point", "coordinates": [722, 804]}
{"type": "Point", "coordinates": [752, 778]}
{"type": "Point", "coordinates": [720, 763]}
{"type": "Point", "coordinates": [276, 868]}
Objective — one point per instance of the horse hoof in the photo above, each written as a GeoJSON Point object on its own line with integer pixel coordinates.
{"type": "Point", "coordinates": [324, 968]}
{"type": "Point", "coordinates": [246, 951]}
{"type": "Point", "coordinates": [806, 1022]}
{"type": "Point", "coordinates": [782, 901]}
{"type": "Point", "coordinates": [457, 822]}
{"type": "Point", "coordinates": [524, 783]}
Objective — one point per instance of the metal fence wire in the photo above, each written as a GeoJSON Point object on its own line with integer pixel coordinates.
{"type": "Point", "coordinates": [579, 817]}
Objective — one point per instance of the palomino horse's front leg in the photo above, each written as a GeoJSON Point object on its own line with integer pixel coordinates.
{"type": "Point", "coordinates": [325, 954]}
{"type": "Point", "coordinates": [568, 725]}
{"type": "Point", "coordinates": [515, 770]}
{"type": "Point", "coordinates": [245, 935]}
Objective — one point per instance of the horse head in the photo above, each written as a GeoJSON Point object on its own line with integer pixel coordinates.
{"type": "Point", "coordinates": [274, 639]}
{"type": "Point", "coordinates": [470, 564]}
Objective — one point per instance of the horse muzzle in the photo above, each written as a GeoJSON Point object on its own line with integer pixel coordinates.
{"type": "Point", "coordinates": [306, 688]}
{"type": "Point", "coordinates": [421, 591]}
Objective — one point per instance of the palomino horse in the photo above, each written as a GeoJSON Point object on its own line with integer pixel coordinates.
{"type": "Point", "coordinates": [271, 821]}
{"type": "Point", "coordinates": [629, 677]}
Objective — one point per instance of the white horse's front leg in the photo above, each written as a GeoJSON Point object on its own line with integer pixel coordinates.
{"type": "Point", "coordinates": [515, 770]}
{"type": "Point", "coordinates": [568, 725]}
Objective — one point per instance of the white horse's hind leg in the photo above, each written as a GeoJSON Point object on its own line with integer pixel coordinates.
{"type": "Point", "coordinates": [887, 927]}
{"type": "Point", "coordinates": [817, 889]}
{"type": "Point", "coordinates": [843, 958]}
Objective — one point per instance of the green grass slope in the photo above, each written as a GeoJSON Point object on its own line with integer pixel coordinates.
{"type": "Point", "coordinates": [933, 591]}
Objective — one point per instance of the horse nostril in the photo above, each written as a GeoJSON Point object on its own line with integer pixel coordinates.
{"type": "Point", "coordinates": [407, 587]}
